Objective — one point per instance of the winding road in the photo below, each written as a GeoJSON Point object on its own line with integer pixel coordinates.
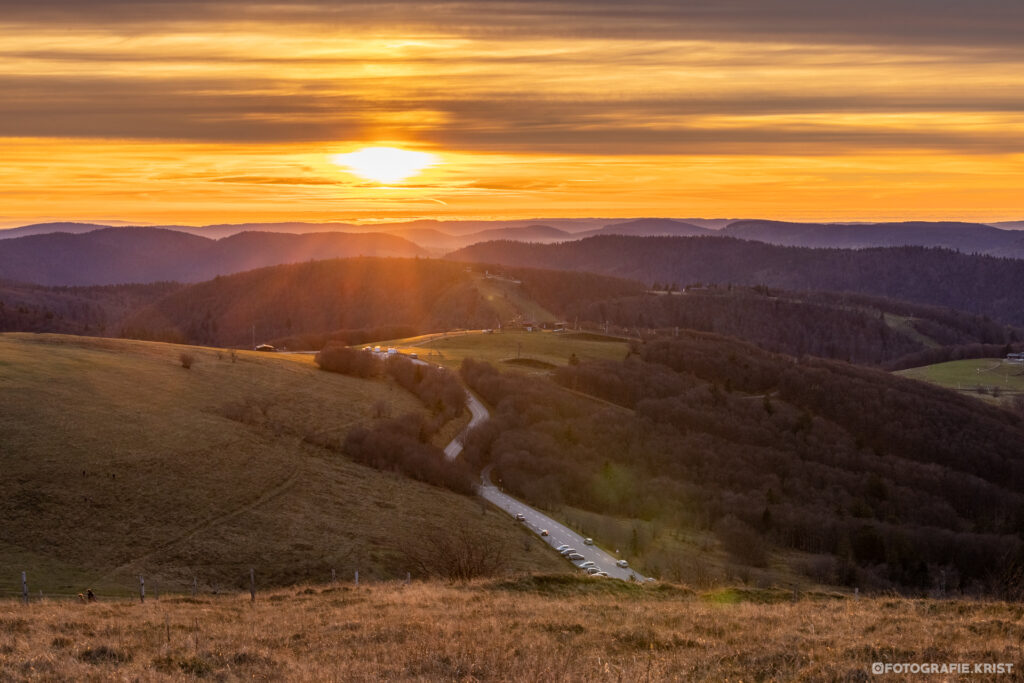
{"type": "Point", "coordinates": [558, 534]}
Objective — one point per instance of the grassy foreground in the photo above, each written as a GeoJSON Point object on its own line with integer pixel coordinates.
{"type": "Point", "coordinates": [117, 461]}
{"type": "Point", "coordinates": [539, 628]}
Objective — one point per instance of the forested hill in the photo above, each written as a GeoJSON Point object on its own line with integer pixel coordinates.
{"type": "Point", "coordinates": [318, 297]}
{"type": "Point", "coordinates": [135, 255]}
{"type": "Point", "coordinates": [853, 327]}
{"type": "Point", "coordinates": [939, 277]}
{"type": "Point", "coordinates": [881, 481]}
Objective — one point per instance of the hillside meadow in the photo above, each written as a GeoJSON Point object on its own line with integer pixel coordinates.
{"type": "Point", "coordinates": [528, 351]}
{"type": "Point", "coordinates": [118, 461]}
{"type": "Point", "coordinates": [991, 379]}
{"type": "Point", "coordinates": [528, 628]}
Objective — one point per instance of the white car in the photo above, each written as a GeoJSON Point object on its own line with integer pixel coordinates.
{"type": "Point", "coordinates": [601, 574]}
{"type": "Point", "coordinates": [575, 556]}
{"type": "Point", "coordinates": [562, 547]}
{"type": "Point", "coordinates": [622, 563]}
{"type": "Point", "coordinates": [588, 541]}
{"type": "Point", "coordinates": [543, 532]}
{"type": "Point", "coordinates": [592, 570]}
{"type": "Point", "coordinates": [567, 551]}
{"type": "Point", "coordinates": [584, 565]}
{"type": "Point", "coordinates": [520, 517]}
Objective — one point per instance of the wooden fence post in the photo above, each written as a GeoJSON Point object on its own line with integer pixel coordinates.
{"type": "Point", "coordinates": [252, 584]}
{"type": "Point", "coordinates": [24, 587]}
{"type": "Point", "coordinates": [142, 589]}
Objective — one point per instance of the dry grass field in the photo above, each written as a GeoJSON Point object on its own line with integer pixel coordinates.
{"type": "Point", "coordinates": [117, 461]}
{"type": "Point", "coordinates": [532, 628]}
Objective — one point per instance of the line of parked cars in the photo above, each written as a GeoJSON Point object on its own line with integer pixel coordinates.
{"type": "Point", "coordinates": [572, 555]}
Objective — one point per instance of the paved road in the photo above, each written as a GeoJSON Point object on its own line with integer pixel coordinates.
{"type": "Point", "coordinates": [558, 533]}
{"type": "Point", "coordinates": [479, 415]}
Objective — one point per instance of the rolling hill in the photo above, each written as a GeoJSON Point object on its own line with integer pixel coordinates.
{"type": "Point", "coordinates": [972, 238]}
{"type": "Point", "coordinates": [982, 285]}
{"type": "Point", "coordinates": [848, 475]}
{"type": "Point", "coordinates": [128, 255]}
{"type": "Point", "coordinates": [118, 461]}
{"type": "Point", "coordinates": [313, 298]}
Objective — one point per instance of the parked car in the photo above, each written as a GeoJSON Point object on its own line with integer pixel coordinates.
{"type": "Point", "coordinates": [592, 570]}
{"type": "Point", "coordinates": [586, 564]}
{"type": "Point", "coordinates": [562, 547]}
{"type": "Point", "coordinates": [543, 532]}
{"type": "Point", "coordinates": [622, 563]}
{"type": "Point", "coordinates": [520, 517]}
{"type": "Point", "coordinates": [575, 556]}
{"type": "Point", "coordinates": [568, 551]}
{"type": "Point", "coordinates": [601, 574]}
{"type": "Point", "coordinates": [588, 541]}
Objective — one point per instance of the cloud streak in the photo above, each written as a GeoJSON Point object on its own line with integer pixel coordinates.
{"type": "Point", "coordinates": [640, 96]}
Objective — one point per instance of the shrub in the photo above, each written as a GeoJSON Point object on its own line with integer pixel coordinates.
{"type": "Point", "coordinates": [186, 360]}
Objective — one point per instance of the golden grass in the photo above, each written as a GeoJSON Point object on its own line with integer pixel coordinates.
{"type": "Point", "coordinates": [531, 629]}
{"type": "Point", "coordinates": [117, 461]}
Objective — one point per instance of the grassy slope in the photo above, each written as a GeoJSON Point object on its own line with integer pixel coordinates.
{"type": "Point", "coordinates": [532, 629]}
{"type": "Point", "coordinates": [967, 375]}
{"type": "Point", "coordinates": [508, 300]}
{"type": "Point", "coordinates": [549, 347]}
{"type": "Point", "coordinates": [118, 461]}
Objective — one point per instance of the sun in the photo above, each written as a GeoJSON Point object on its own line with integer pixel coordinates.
{"type": "Point", "coordinates": [385, 164]}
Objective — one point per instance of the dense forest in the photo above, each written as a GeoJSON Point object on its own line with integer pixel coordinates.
{"type": "Point", "coordinates": [882, 482]}
{"type": "Point", "coordinates": [854, 328]}
{"type": "Point", "coordinates": [74, 310]}
{"type": "Point", "coordinates": [983, 285]}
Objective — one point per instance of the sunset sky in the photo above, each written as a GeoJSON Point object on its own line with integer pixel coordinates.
{"type": "Point", "coordinates": [227, 111]}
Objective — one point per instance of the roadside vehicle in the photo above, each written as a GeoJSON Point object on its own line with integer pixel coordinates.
{"type": "Point", "coordinates": [588, 541]}
{"type": "Point", "coordinates": [568, 551]}
{"type": "Point", "coordinates": [562, 547]}
{"type": "Point", "coordinates": [622, 563]}
{"type": "Point", "coordinates": [544, 532]}
{"type": "Point", "coordinates": [592, 570]}
{"type": "Point", "coordinates": [575, 556]}
{"type": "Point", "coordinates": [520, 517]}
{"type": "Point", "coordinates": [588, 563]}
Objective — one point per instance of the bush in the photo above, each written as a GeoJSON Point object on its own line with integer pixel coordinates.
{"type": "Point", "coordinates": [348, 361]}
{"type": "Point", "coordinates": [186, 360]}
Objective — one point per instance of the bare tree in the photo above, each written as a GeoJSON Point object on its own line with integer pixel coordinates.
{"type": "Point", "coordinates": [456, 555]}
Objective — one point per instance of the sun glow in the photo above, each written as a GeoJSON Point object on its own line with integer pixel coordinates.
{"type": "Point", "coordinates": [385, 164]}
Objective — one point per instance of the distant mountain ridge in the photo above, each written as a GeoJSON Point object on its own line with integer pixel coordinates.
{"type": "Point", "coordinates": [135, 255]}
{"type": "Point", "coordinates": [438, 237]}
{"type": "Point", "coordinates": [968, 237]}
